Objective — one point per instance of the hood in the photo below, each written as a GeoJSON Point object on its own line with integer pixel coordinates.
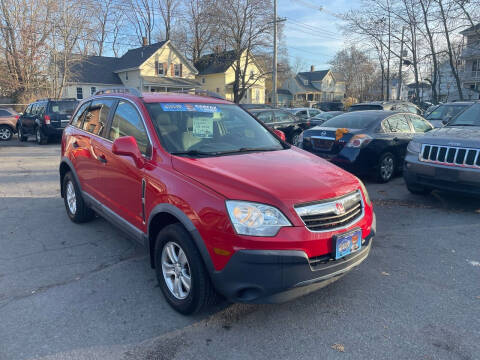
{"type": "Point", "coordinates": [284, 177]}
{"type": "Point", "coordinates": [460, 136]}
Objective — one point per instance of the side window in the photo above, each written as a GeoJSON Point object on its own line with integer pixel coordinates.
{"type": "Point", "coordinates": [281, 116]}
{"type": "Point", "coordinates": [127, 122]}
{"type": "Point", "coordinates": [28, 110]}
{"type": "Point", "coordinates": [41, 109]}
{"type": "Point", "coordinates": [314, 112]}
{"type": "Point", "coordinates": [396, 124]}
{"type": "Point", "coordinates": [301, 114]}
{"type": "Point", "coordinates": [4, 113]}
{"type": "Point", "coordinates": [35, 109]}
{"type": "Point", "coordinates": [419, 124]}
{"type": "Point", "coordinates": [96, 118]}
{"type": "Point", "coordinates": [266, 117]}
{"type": "Point", "coordinates": [79, 115]}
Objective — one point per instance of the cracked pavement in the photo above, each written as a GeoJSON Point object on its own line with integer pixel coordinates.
{"type": "Point", "coordinates": [72, 291]}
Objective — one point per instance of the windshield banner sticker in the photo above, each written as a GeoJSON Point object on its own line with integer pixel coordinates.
{"type": "Point", "coordinates": [204, 108]}
{"type": "Point", "coordinates": [203, 127]}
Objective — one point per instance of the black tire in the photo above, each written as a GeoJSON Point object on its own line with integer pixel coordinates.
{"type": "Point", "coordinates": [82, 213]}
{"type": "Point", "coordinates": [6, 133]}
{"type": "Point", "coordinates": [386, 167]}
{"type": "Point", "coordinates": [21, 136]}
{"type": "Point", "coordinates": [418, 189]}
{"type": "Point", "coordinates": [40, 137]}
{"type": "Point", "coordinates": [202, 293]}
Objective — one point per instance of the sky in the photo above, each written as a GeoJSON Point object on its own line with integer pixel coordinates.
{"type": "Point", "coordinates": [312, 32]}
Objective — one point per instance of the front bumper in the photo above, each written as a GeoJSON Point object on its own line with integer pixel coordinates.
{"type": "Point", "coordinates": [272, 276]}
{"type": "Point", "coordinates": [442, 177]}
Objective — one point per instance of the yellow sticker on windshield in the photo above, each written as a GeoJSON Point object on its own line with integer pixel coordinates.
{"type": "Point", "coordinates": [203, 127]}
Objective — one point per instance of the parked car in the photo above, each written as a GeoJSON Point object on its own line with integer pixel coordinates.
{"type": "Point", "coordinates": [255, 106]}
{"type": "Point", "coordinates": [8, 123]}
{"type": "Point", "coordinates": [446, 158]}
{"type": "Point", "coordinates": [367, 142]}
{"type": "Point", "coordinates": [282, 120]}
{"type": "Point", "coordinates": [45, 119]}
{"type": "Point", "coordinates": [214, 196]}
{"type": "Point", "coordinates": [304, 113]}
{"type": "Point", "coordinates": [430, 109]}
{"type": "Point", "coordinates": [330, 106]}
{"type": "Point", "coordinates": [392, 105]}
{"type": "Point", "coordinates": [324, 116]}
{"type": "Point", "coordinates": [445, 112]}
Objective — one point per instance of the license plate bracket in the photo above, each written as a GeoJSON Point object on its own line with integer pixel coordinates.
{"type": "Point", "coordinates": [348, 243]}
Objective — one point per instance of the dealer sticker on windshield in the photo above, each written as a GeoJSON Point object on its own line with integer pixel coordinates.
{"type": "Point", "coordinates": [203, 127]}
{"type": "Point", "coordinates": [203, 108]}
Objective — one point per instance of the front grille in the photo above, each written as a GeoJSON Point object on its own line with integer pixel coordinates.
{"type": "Point", "coordinates": [451, 155]}
{"type": "Point", "coordinates": [332, 214]}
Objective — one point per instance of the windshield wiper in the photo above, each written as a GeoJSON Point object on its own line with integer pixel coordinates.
{"type": "Point", "coordinates": [245, 149]}
{"type": "Point", "coordinates": [194, 153]}
{"type": "Point", "coordinates": [463, 124]}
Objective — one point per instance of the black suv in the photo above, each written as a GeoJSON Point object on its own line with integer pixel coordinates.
{"type": "Point", "coordinates": [392, 105]}
{"type": "Point", "coordinates": [45, 119]}
{"type": "Point", "coordinates": [282, 120]}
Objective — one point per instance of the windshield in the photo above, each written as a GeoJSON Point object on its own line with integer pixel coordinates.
{"type": "Point", "coordinates": [365, 107]}
{"type": "Point", "coordinates": [357, 120]}
{"type": "Point", "coordinates": [470, 117]}
{"type": "Point", "coordinates": [209, 129]}
{"type": "Point", "coordinates": [63, 107]}
{"type": "Point", "coordinates": [444, 111]}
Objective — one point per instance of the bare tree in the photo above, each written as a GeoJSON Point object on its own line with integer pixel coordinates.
{"type": "Point", "coordinates": [168, 9]}
{"type": "Point", "coordinates": [143, 18]}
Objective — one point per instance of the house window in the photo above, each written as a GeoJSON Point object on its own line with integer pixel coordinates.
{"type": "Point", "coordinates": [252, 74]}
{"type": "Point", "coordinates": [177, 70]}
{"type": "Point", "coordinates": [160, 67]}
{"type": "Point", "coordinates": [257, 95]}
{"type": "Point", "coordinates": [126, 76]}
{"type": "Point", "coordinates": [218, 90]}
{"type": "Point", "coordinates": [203, 80]}
{"type": "Point", "coordinates": [79, 93]}
{"type": "Point", "coordinates": [475, 65]}
{"type": "Point", "coordinates": [93, 90]}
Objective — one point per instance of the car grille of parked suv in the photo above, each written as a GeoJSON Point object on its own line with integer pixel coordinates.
{"type": "Point", "coordinates": [451, 155]}
{"type": "Point", "coordinates": [332, 214]}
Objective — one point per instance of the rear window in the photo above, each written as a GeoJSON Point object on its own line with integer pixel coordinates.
{"type": "Point", "coordinates": [365, 107]}
{"type": "Point", "coordinates": [352, 120]}
{"type": "Point", "coordinates": [63, 107]}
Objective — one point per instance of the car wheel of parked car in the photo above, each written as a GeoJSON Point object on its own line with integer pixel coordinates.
{"type": "Point", "coordinates": [386, 167]}
{"type": "Point", "coordinates": [40, 136]}
{"type": "Point", "coordinates": [77, 210]}
{"type": "Point", "coordinates": [21, 136]}
{"type": "Point", "coordinates": [418, 189]}
{"type": "Point", "coordinates": [6, 133]}
{"type": "Point", "coordinates": [180, 271]}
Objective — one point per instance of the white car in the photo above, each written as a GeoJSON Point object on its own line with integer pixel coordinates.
{"type": "Point", "coordinates": [304, 113]}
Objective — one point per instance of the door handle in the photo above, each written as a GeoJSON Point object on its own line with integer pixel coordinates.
{"type": "Point", "coordinates": [102, 159]}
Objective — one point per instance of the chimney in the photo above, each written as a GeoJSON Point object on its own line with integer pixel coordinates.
{"type": "Point", "coordinates": [312, 68]}
{"type": "Point", "coordinates": [144, 41]}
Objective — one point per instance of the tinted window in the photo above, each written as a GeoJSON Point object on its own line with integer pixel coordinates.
{"type": "Point", "coordinates": [419, 124]}
{"type": "Point", "coordinates": [78, 118]}
{"type": "Point", "coordinates": [396, 124]}
{"type": "Point", "coordinates": [266, 117]}
{"type": "Point", "coordinates": [470, 117]}
{"type": "Point", "coordinates": [365, 107]}
{"type": "Point", "coordinates": [4, 113]}
{"type": "Point", "coordinates": [63, 107]}
{"type": "Point", "coordinates": [314, 112]}
{"type": "Point", "coordinates": [355, 120]}
{"type": "Point", "coordinates": [127, 122]}
{"type": "Point", "coordinates": [445, 111]}
{"type": "Point", "coordinates": [96, 118]}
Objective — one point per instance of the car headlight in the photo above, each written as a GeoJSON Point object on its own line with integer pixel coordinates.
{"type": "Point", "coordinates": [365, 192]}
{"type": "Point", "coordinates": [414, 147]}
{"type": "Point", "coordinates": [255, 219]}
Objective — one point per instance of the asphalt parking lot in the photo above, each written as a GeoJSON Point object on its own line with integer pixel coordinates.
{"type": "Point", "coordinates": [72, 291]}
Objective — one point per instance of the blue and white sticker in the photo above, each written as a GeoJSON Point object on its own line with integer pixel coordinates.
{"type": "Point", "coordinates": [203, 108]}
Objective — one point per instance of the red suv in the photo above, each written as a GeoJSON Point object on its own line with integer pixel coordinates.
{"type": "Point", "coordinates": [222, 204]}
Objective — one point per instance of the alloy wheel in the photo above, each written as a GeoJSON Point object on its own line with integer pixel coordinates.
{"type": "Point", "coordinates": [176, 270]}
{"type": "Point", "coordinates": [71, 198]}
{"type": "Point", "coordinates": [38, 134]}
{"type": "Point", "coordinates": [5, 133]}
{"type": "Point", "coordinates": [387, 167]}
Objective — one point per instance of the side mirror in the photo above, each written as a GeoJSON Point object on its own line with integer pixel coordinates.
{"type": "Point", "coordinates": [280, 134]}
{"type": "Point", "coordinates": [127, 146]}
{"type": "Point", "coordinates": [446, 120]}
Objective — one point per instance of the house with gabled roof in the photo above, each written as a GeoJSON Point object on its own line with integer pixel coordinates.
{"type": "Point", "coordinates": [149, 68]}
{"type": "Point", "coordinates": [310, 87]}
{"type": "Point", "coordinates": [216, 73]}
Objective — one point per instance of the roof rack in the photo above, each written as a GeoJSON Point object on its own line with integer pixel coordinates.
{"type": "Point", "coordinates": [119, 90]}
{"type": "Point", "coordinates": [201, 92]}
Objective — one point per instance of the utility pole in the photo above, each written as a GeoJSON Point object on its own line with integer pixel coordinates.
{"type": "Point", "coordinates": [399, 86]}
{"type": "Point", "coordinates": [274, 71]}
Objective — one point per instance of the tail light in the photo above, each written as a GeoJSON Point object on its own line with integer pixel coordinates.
{"type": "Point", "coordinates": [47, 119]}
{"type": "Point", "coordinates": [17, 117]}
{"type": "Point", "coordinates": [359, 140]}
